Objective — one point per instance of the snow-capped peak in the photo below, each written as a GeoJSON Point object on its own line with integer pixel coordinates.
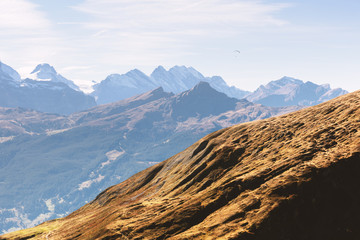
{"type": "Point", "coordinates": [46, 72]}
{"type": "Point", "coordinates": [44, 68]}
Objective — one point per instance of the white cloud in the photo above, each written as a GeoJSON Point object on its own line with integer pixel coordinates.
{"type": "Point", "coordinates": [151, 30]}
{"type": "Point", "coordinates": [175, 15]}
{"type": "Point", "coordinates": [21, 16]}
{"type": "Point", "coordinates": [118, 35]}
{"type": "Point", "coordinates": [25, 31]}
{"type": "Point", "coordinates": [141, 33]}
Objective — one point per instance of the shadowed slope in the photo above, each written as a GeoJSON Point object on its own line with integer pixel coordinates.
{"type": "Point", "coordinates": [288, 177]}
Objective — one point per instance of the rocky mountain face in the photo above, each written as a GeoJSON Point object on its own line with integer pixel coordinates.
{"type": "Point", "coordinates": [50, 92]}
{"type": "Point", "coordinates": [289, 177]}
{"type": "Point", "coordinates": [69, 160]}
{"type": "Point", "coordinates": [289, 92]}
{"type": "Point", "coordinates": [176, 80]}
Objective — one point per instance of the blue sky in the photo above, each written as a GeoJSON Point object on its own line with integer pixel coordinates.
{"type": "Point", "coordinates": [86, 40]}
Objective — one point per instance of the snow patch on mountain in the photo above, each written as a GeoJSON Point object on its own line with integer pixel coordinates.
{"type": "Point", "coordinates": [50, 132]}
{"type": "Point", "coordinates": [50, 205]}
{"type": "Point", "coordinates": [112, 156]}
{"type": "Point", "coordinates": [88, 183]}
{"type": "Point", "coordinates": [6, 139]}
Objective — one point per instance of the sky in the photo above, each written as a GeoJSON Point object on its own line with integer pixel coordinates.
{"type": "Point", "coordinates": [246, 42]}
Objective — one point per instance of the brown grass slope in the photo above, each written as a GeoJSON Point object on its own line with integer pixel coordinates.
{"type": "Point", "coordinates": [290, 177]}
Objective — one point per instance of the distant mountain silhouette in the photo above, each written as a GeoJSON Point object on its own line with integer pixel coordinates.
{"type": "Point", "coordinates": [289, 91]}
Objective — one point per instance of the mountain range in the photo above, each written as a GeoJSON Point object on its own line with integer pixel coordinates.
{"type": "Point", "coordinates": [293, 176]}
{"type": "Point", "coordinates": [50, 92]}
{"type": "Point", "coordinates": [286, 91]}
{"type": "Point", "coordinates": [69, 159]}
{"type": "Point", "coordinates": [47, 91]}
{"type": "Point", "coordinates": [177, 79]}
